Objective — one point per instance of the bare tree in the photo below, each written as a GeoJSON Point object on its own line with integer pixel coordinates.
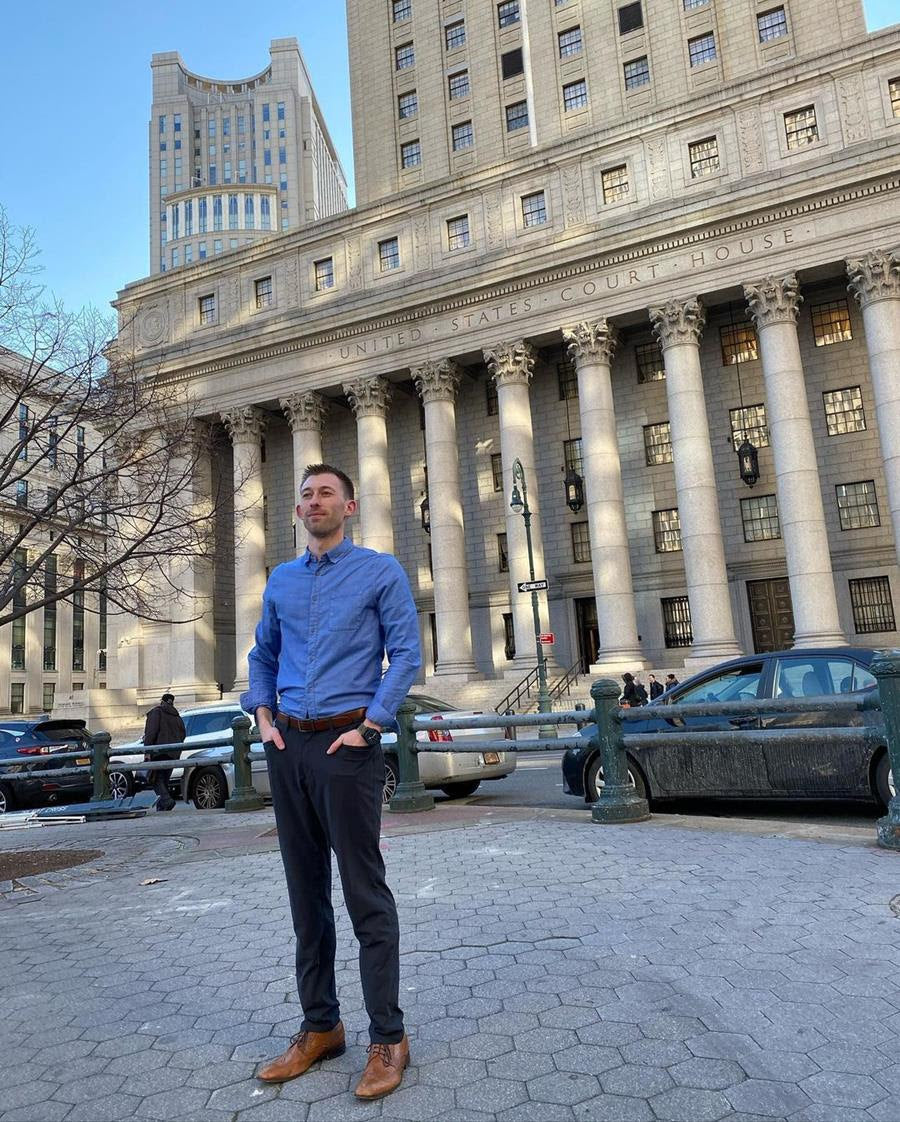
{"type": "Point", "coordinates": [103, 481]}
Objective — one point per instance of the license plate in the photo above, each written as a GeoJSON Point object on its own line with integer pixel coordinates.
{"type": "Point", "coordinates": [491, 757]}
{"type": "Point", "coordinates": [83, 760]}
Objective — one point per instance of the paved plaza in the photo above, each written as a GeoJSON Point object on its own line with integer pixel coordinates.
{"type": "Point", "coordinates": [682, 970]}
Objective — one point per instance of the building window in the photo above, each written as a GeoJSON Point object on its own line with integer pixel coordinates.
{"type": "Point", "coordinates": [800, 127]}
{"type": "Point", "coordinates": [534, 209]}
{"type": "Point", "coordinates": [455, 34]}
{"type": "Point", "coordinates": [690, 4]}
{"type": "Point", "coordinates": [463, 137]}
{"type": "Point", "coordinates": [458, 84]}
{"type": "Point", "coordinates": [232, 212]}
{"type": "Point", "coordinates": [573, 455]}
{"type": "Point", "coordinates": [581, 542]}
{"type": "Point", "coordinates": [873, 610]}
{"type": "Point", "coordinates": [497, 470]}
{"type": "Point", "coordinates": [50, 613]}
{"type": "Point", "coordinates": [19, 601]}
{"type": "Point", "coordinates": [569, 42]}
{"type": "Point", "coordinates": [458, 232]}
{"type": "Point", "coordinates": [265, 214]}
{"type": "Point", "coordinates": [511, 63]}
{"type": "Point", "coordinates": [47, 696]}
{"type": "Point", "coordinates": [658, 443]}
{"type": "Point", "coordinates": [667, 530]}
{"type": "Point", "coordinates": [389, 254]}
{"type": "Point", "coordinates": [739, 343]}
{"type": "Point", "coordinates": [404, 57]}
{"type": "Point", "coordinates": [759, 515]}
{"type": "Point", "coordinates": [162, 124]}
{"type": "Point", "coordinates": [517, 116]}
{"type": "Point", "coordinates": [704, 157]}
{"type": "Point", "coordinates": [615, 184]}
{"type": "Point", "coordinates": [17, 697]}
{"type": "Point", "coordinates": [831, 323]}
{"type": "Point", "coordinates": [702, 48]}
{"type": "Point", "coordinates": [207, 309]}
{"type": "Point", "coordinates": [78, 618]}
{"type": "Point", "coordinates": [748, 422]}
{"type": "Point", "coordinates": [771, 24]}
{"type": "Point", "coordinates": [411, 154]}
{"type": "Point", "coordinates": [263, 289]}
{"type": "Point", "coordinates": [575, 95]}
{"type": "Point", "coordinates": [491, 401]}
{"type": "Point", "coordinates": [407, 105]}
{"type": "Point", "coordinates": [676, 613]}
{"type": "Point", "coordinates": [857, 505]}
{"type": "Point", "coordinates": [502, 554]}
{"type": "Point", "coordinates": [630, 18]}
{"type": "Point", "coordinates": [22, 493]}
{"type": "Point", "coordinates": [894, 94]}
{"type": "Point", "coordinates": [249, 213]}
{"type": "Point", "coordinates": [508, 13]}
{"type": "Point", "coordinates": [637, 73]}
{"type": "Point", "coordinates": [402, 10]}
{"type": "Point", "coordinates": [844, 411]}
{"type": "Point", "coordinates": [509, 637]}
{"type": "Point", "coordinates": [649, 360]}
{"type": "Point", "coordinates": [567, 380]}
{"type": "Point", "coordinates": [324, 274]}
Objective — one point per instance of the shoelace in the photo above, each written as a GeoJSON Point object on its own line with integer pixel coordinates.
{"type": "Point", "coordinates": [300, 1037]}
{"type": "Point", "coordinates": [382, 1050]}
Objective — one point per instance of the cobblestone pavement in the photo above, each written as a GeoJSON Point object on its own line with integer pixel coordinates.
{"type": "Point", "coordinates": [552, 970]}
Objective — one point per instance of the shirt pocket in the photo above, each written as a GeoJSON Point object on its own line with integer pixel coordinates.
{"type": "Point", "coordinates": [343, 614]}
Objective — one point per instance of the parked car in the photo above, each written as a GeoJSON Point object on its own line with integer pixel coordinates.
{"type": "Point", "coordinates": [774, 769]}
{"type": "Point", "coordinates": [21, 740]}
{"type": "Point", "coordinates": [209, 780]}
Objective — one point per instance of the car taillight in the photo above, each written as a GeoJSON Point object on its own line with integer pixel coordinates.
{"type": "Point", "coordinates": [36, 750]}
{"type": "Point", "coordinates": [437, 735]}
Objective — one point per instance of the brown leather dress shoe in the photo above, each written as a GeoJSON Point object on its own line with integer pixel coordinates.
{"type": "Point", "coordinates": [384, 1070]}
{"type": "Point", "coordinates": [306, 1048]}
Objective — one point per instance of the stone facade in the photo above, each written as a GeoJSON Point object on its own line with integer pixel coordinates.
{"type": "Point", "coordinates": [606, 307]}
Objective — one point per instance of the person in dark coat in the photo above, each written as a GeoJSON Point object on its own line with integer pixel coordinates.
{"type": "Point", "coordinates": [164, 726]}
{"type": "Point", "coordinates": [656, 688]}
{"type": "Point", "coordinates": [671, 682]}
{"type": "Point", "coordinates": [632, 695]}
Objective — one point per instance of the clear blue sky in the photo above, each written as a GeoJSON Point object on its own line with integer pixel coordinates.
{"type": "Point", "coordinates": [76, 101]}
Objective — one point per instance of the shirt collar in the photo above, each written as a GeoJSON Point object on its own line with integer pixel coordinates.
{"type": "Point", "coordinates": [332, 555]}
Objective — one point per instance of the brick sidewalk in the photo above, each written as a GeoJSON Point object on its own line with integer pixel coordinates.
{"type": "Point", "coordinates": [552, 970]}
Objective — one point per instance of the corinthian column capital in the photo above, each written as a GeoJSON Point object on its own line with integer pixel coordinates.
{"type": "Point", "coordinates": [245, 424]}
{"type": "Point", "coordinates": [437, 380]}
{"type": "Point", "coordinates": [678, 321]}
{"type": "Point", "coordinates": [369, 397]}
{"type": "Point", "coordinates": [874, 277]}
{"type": "Point", "coordinates": [511, 362]}
{"type": "Point", "coordinates": [774, 300]}
{"type": "Point", "coordinates": [305, 412]}
{"type": "Point", "coordinates": [591, 342]}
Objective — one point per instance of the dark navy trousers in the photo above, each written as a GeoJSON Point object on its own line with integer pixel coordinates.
{"type": "Point", "coordinates": [326, 804]}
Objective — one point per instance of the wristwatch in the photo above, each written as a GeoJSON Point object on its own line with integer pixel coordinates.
{"type": "Point", "coordinates": [371, 736]}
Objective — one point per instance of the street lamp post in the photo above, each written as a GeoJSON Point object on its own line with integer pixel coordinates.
{"type": "Point", "coordinates": [518, 503]}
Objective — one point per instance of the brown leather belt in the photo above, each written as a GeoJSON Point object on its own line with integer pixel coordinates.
{"type": "Point", "coordinates": [320, 724]}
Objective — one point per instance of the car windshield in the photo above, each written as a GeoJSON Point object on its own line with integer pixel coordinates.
{"type": "Point", "coordinates": [430, 704]}
{"type": "Point", "coordinates": [740, 684]}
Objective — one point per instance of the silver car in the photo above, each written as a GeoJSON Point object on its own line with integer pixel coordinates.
{"type": "Point", "coordinates": [208, 780]}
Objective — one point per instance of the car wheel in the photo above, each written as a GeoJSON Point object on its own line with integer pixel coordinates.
{"type": "Point", "coordinates": [7, 801]}
{"type": "Point", "coordinates": [885, 787]}
{"type": "Point", "coordinates": [121, 785]}
{"type": "Point", "coordinates": [391, 776]}
{"type": "Point", "coordinates": [460, 790]}
{"type": "Point", "coordinates": [209, 789]}
{"type": "Point", "coordinates": [595, 784]}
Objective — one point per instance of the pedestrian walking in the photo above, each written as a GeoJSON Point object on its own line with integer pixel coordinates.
{"type": "Point", "coordinates": [656, 688]}
{"type": "Point", "coordinates": [671, 682]}
{"type": "Point", "coordinates": [320, 701]}
{"type": "Point", "coordinates": [163, 725]}
{"type": "Point", "coordinates": [634, 693]}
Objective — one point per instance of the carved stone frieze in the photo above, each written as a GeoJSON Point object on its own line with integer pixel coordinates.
{"type": "Point", "coordinates": [876, 276]}
{"type": "Point", "coordinates": [852, 105]}
{"type": "Point", "coordinates": [678, 321]}
{"type": "Point", "coordinates": [774, 300]}
{"type": "Point", "coordinates": [369, 397]}
{"type": "Point", "coordinates": [573, 195]}
{"type": "Point", "coordinates": [493, 215]}
{"type": "Point", "coordinates": [591, 342]}
{"type": "Point", "coordinates": [245, 424]}
{"type": "Point", "coordinates": [304, 411]}
{"type": "Point", "coordinates": [750, 141]}
{"type": "Point", "coordinates": [658, 165]}
{"type": "Point", "coordinates": [354, 264]}
{"type": "Point", "coordinates": [511, 363]}
{"type": "Point", "coordinates": [437, 380]}
{"type": "Point", "coordinates": [153, 325]}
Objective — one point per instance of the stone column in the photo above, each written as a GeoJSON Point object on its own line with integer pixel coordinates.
{"type": "Point", "coordinates": [875, 282]}
{"type": "Point", "coordinates": [512, 366]}
{"type": "Point", "coordinates": [369, 398]}
{"type": "Point", "coordinates": [305, 413]}
{"type": "Point", "coordinates": [245, 426]}
{"type": "Point", "coordinates": [591, 347]}
{"type": "Point", "coordinates": [437, 383]}
{"type": "Point", "coordinates": [678, 324]}
{"type": "Point", "coordinates": [774, 303]}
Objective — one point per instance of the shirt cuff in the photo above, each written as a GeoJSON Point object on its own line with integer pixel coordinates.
{"type": "Point", "coordinates": [379, 715]}
{"type": "Point", "coordinates": [251, 700]}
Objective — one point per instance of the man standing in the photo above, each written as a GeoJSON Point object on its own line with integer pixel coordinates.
{"type": "Point", "coordinates": [656, 688]}
{"type": "Point", "coordinates": [163, 726]}
{"type": "Point", "coordinates": [320, 701]}
{"type": "Point", "coordinates": [671, 682]}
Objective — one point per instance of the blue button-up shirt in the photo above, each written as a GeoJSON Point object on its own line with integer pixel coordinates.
{"type": "Point", "coordinates": [326, 624]}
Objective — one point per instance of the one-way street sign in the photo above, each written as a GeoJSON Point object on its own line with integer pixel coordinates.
{"type": "Point", "coordinates": [532, 585]}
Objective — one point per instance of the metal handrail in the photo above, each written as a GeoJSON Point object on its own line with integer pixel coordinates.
{"type": "Point", "coordinates": [566, 682]}
{"type": "Point", "coordinates": [514, 697]}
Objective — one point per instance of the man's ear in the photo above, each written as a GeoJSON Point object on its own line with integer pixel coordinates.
{"type": "Point", "coordinates": [350, 507]}
{"type": "Point", "coordinates": [297, 510]}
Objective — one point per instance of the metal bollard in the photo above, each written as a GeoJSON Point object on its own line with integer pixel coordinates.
{"type": "Point", "coordinates": [618, 801]}
{"type": "Point", "coordinates": [100, 767]}
{"type": "Point", "coordinates": [886, 668]}
{"type": "Point", "coordinates": [244, 795]}
{"type": "Point", "coordinates": [410, 794]}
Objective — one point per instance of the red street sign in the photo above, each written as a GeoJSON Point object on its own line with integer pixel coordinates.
{"type": "Point", "coordinates": [548, 639]}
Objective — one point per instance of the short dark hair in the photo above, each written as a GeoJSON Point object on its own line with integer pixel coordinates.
{"type": "Point", "coordinates": [328, 469]}
{"type": "Point", "coordinates": [168, 697]}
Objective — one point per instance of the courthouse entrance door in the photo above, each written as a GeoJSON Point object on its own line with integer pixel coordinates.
{"type": "Point", "coordinates": [771, 614]}
{"type": "Point", "coordinates": [588, 631]}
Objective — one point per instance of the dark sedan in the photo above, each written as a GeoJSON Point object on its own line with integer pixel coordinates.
{"type": "Point", "coordinates": [774, 770]}
{"type": "Point", "coordinates": [22, 741]}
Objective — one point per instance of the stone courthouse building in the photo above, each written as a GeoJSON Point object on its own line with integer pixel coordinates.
{"type": "Point", "coordinates": [621, 240]}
